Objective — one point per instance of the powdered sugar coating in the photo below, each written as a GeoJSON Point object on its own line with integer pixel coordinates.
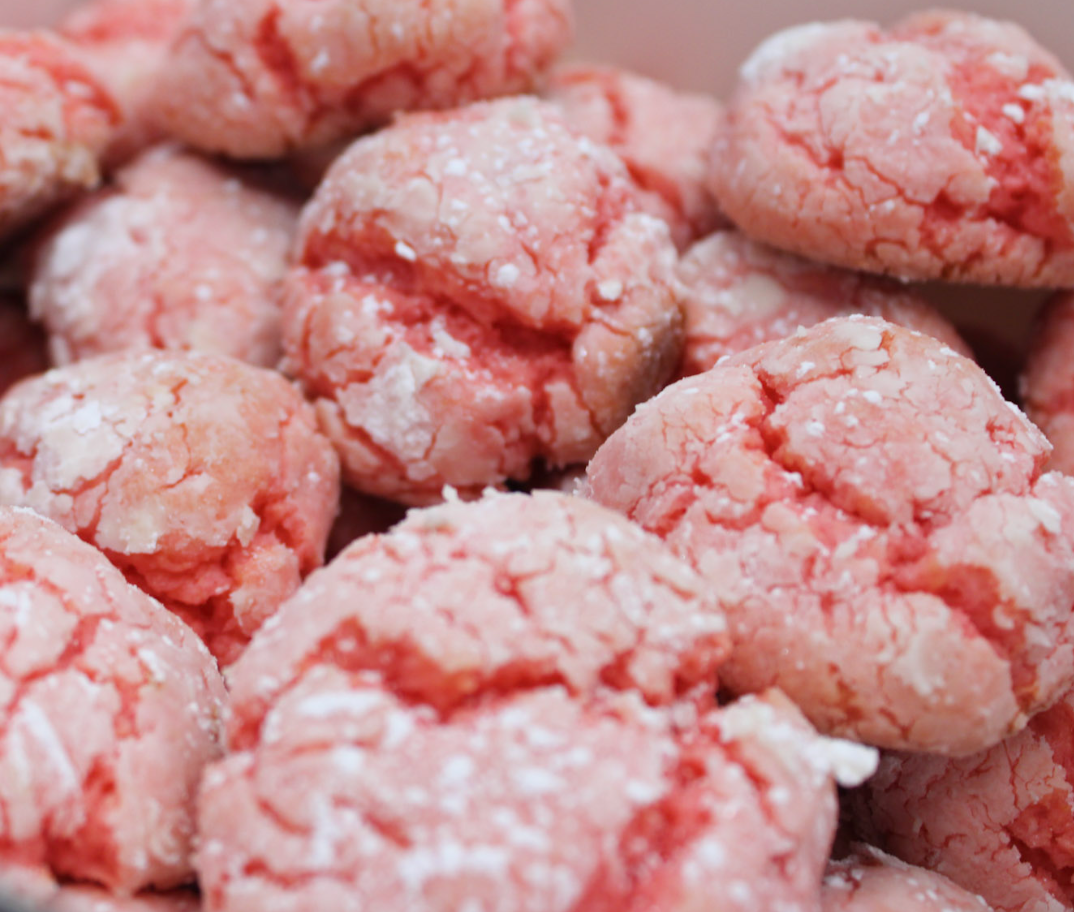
{"type": "Point", "coordinates": [664, 137]}
{"type": "Point", "coordinates": [56, 119]}
{"type": "Point", "coordinates": [259, 78]}
{"type": "Point", "coordinates": [476, 292]}
{"type": "Point", "coordinates": [1047, 381]}
{"type": "Point", "coordinates": [22, 345]}
{"type": "Point", "coordinates": [110, 709]}
{"type": "Point", "coordinates": [943, 148]}
{"type": "Point", "coordinates": [740, 294]}
{"type": "Point", "coordinates": [202, 478]}
{"type": "Point", "coordinates": [1000, 823]}
{"type": "Point", "coordinates": [178, 253]}
{"type": "Point", "coordinates": [874, 517]}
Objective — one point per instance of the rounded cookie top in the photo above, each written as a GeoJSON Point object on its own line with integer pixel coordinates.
{"type": "Point", "coordinates": [202, 478]}
{"type": "Point", "coordinates": [875, 518]}
{"type": "Point", "coordinates": [259, 78]}
{"type": "Point", "coordinates": [943, 148]}
{"type": "Point", "coordinates": [111, 707]}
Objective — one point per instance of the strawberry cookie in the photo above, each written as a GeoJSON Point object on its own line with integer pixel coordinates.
{"type": "Point", "coordinates": [739, 294]}
{"type": "Point", "coordinates": [22, 345]}
{"type": "Point", "coordinates": [664, 137]}
{"type": "Point", "coordinates": [260, 78]}
{"type": "Point", "coordinates": [876, 521]}
{"type": "Point", "coordinates": [1047, 383]}
{"type": "Point", "coordinates": [111, 706]}
{"type": "Point", "coordinates": [942, 148]}
{"type": "Point", "coordinates": [202, 478]}
{"type": "Point", "coordinates": [475, 293]}
{"type": "Point", "coordinates": [179, 253]}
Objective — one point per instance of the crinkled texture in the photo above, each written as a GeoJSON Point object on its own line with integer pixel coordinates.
{"type": "Point", "coordinates": [873, 515]}
{"type": "Point", "coordinates": [1000, 823]}
{"type": "Point", "coordinates": [257, 78]}
{"type": "Point", "coordinates": [476, 292]}
{"type": "Point", "coordinates": [180, 253]}
{"type": "Point", "coordinates": [943, 148]}
{"type": "Point", "coordinates": [22, 345]}
{"type": "Point", "coordinates": [511, 591]}
{"type": "Point", "coordinates": [1047, 382]}
{"type": "Point", "coordinates": [664, 137]}
{"type": "Point", "coordinates": [55, 119]}
{"type": "Point", "coordinates": [535, 801]}
{"type": "Point", "coordinates": [124, 42]}
{"type": "Point", "coordinates": [202, 478]}
{"type": "Point", "coordinates": [740, 294]}
{"type": "Point", "coordinates": [870, 881]}
{"type": "Point", "coordinates": [109, 709]}
{"type": "Point", "coordinates": [37, 888]}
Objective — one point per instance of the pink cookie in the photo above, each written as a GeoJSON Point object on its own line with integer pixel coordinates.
{"type": "Point", "coordinates": [1047, 383]}
{"type": "Point", "coordinates": [664, 137]}
{"type": "Point", "coordinates": [202, 478]}
{"type": "Point", "coordinates": [1000, 823]}
{"type": "Point", "coordinates": [111, 707]}
{"type": "Point", "coordinates": [125, 42]}
{"type": "Point", "coordinates": [873, 515]}
{"type": "Point", "coordinates": [262, 77]}
{"type": "Point", "coordinates": [55, 118]}
{"type": "Point", "coordinates": [180, 253]}
{"type": "Point", "coordinates": [870, 881]}
{"type": "Point", "coordinates": [533, 802]}
{"type": "Point", "coordinates": [511, 591]}
{"type": "Point", "coordinates": [943, 148]}
{"type": "Point", "coordinates": [22, 345]}
{"type": "Point", "coordinates": [476, 292]}
{"type": "Point", "coordinates": [739, 294]}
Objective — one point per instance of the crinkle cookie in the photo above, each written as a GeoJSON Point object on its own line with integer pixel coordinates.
{"type": "Point", "coordinates": [870, 881]}
{"type": "Point", "coordinates": [55, 119]}
{"type": "Point", "coordinates": [475, 293]}
{"type": "Point", "coordinates": [22, 345]}
{"type": "Point", "coordinates": [124, 42]}
{"type": "Point", "coordinates": [203, 479]}
{"type": "Point", "coordinates": [111, 707]}
{"type": "Point", "coordinates": [259, 78]}
{"type": "Point", "coordinates": [1000, 823]}
{"type": "Point", "coordinates": [942, 148]}
{"type": "Point", "coordinates": [664, 137]}
{"type": "Point", "coordinates": [179, 253]}
{"type": "Point", "coordinates": [740, 294]}
{"type": "Point", "coordinates": [875, 519]}
{"type": "Point", "coordinates": [511, 591]}
{"type": "Point", "coordinates": [1047, 382]}
{"type": "Point", "coordinates": [357, 799]}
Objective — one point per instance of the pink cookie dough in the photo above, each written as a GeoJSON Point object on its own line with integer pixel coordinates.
{"type": "Point", "coordinates": [532, 802]}
{"type": "Point", "coordinates": [664, 137]}
{"type": "Point", "coordinates": [203, 479]}
{"type": "Point", "coordinates": [125, 42]}
{"type": "Point", "coordinates": [876, 521]}
{"type": "Point", "coordinates": [870, 881]}
{"type": "Point", "coordinates": [1047, 382]}
{"type": "Point", "coordinates": [178, 253]}
{"type": "Point", "coordinates": [940, 149]}
{"type": "Point", "coordinates": [476, 293]}
{"type": "Point", "coordinates": [55, 120]}
{"type": "Point", "coordinates": [740, 294]}
{"type": "Point", "coordinates": [263, 77]}
{"type": "Point", "coordinates": [1000, 823]}
{"type": "Point", "coordinates": [110, 707]}
{"type": "Point", "coordinates": [511, 591]}
{"type": "Point", "coordinates": [22, 345]}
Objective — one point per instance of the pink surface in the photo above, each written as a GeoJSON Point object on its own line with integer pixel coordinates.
{"type": "Point", "coordinates": [940, 149]}
{"type": "Point", "coordinates": [22, 345]}
{"type": "Point", "coordinates": [110, 709]}
{"type": "Point", "coordinates": [259, 78]}
{"type": "Point", "coordinates": [875, 519]}
{"type": "Point", "coordinates": [1047, 382]}
{"type": "Point", "coordinates": [176, 253]}
{"type": "Point", "coordinates": [476, 292]}
{"type": "Point", "coordinates": [202, 478]}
